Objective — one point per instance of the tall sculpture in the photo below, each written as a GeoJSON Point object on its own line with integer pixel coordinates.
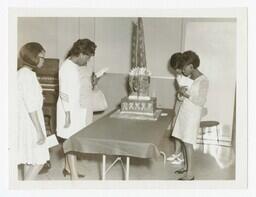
{"type": "Point", "coordinates": [139, 76]}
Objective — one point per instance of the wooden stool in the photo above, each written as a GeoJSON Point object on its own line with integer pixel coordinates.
{"type": "Point", "coordinates": [204, 125]}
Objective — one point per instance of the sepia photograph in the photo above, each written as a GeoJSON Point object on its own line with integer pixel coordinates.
{"type": "Point", "coordinates": [127, 96]}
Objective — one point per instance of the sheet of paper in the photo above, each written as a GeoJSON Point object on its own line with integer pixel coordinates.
{"type": "Point", "coordinates": [51, 141]}
{"type": "Point", "coordinates": [101, 72]}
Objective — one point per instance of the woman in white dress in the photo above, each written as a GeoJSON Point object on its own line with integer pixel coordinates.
{"type": "Point", "coordinates": [32, 149]}
{"type": "Point", "coordinates": [188, 120]}
{"type": "Point", "coordinates": [74, 103]}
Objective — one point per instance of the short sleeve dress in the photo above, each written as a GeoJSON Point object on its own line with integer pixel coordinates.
{"type": "Point", "coordinates": [30, 99]}
{"type": "Point", "coordinates": [189, 116]}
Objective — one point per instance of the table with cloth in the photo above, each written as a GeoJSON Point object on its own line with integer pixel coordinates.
{"type": "Point", "coordinates": [121, 137]}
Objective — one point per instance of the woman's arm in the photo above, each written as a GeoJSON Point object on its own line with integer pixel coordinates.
{"type": "Point", "coordinates": [66, 79]}
{"type": "Point", "coordinates": [94, 80]}
{"type": "Point", "coordinates": [67, 119]}
{"type": "Point", "coordinates": [32, 98]}
{"type": "Point", "coordinates": [39, 130]}
{"type": "Point", "coordinates": [201, 96]}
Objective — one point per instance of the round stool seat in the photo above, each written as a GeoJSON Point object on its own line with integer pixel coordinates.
{"type": "Point", "coordinates": [209, 124]}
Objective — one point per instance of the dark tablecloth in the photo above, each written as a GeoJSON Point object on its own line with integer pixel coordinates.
{"type": "Point", "coordinates": [124, 137]}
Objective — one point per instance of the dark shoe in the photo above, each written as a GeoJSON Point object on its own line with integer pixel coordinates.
{"type": "Point", "coordinates": [187, 178]}
{"type": "Point", "coordinates": [65, 173]}
{"type": "Point", "coordinates": [180, 171]}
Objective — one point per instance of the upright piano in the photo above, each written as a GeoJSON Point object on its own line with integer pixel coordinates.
{"type": "Point", "coordinates": [48, 78]}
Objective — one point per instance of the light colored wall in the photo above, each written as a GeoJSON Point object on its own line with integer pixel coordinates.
{"type": "Point", "coordinates": [215, 43]}
{"type": "Point", "coordinates": [42, 30]}
{"type": "Point", "coordinates": [162, 39]}
{"type": "Point", "coordinates": [112, 36]}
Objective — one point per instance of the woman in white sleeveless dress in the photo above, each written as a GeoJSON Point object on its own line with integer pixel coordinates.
{"type": "Point", "coordinates": [31, 147]}
{"type": "Point", "coordinates": [74, 110]}
{"type": "Point", "coordinates": [188, 120]}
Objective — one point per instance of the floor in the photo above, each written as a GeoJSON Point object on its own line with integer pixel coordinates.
{"type": "Point", "coordinates": [205, 166]}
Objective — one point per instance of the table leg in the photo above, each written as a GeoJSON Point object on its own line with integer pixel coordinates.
{"type": "Point", "coordinates": [164, 156]}
{"type": "Point", "coordinates": [127, 168]}
{"type": "Point", "coordinates": [103, 167]}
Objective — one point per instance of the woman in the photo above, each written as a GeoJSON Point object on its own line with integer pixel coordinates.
{"type": "Point", "coordinates": [74, 110]}
{"type": "Point", "coordinates": [175, 64]}
{"type": "Point", "coordinates": [32, 149]}
{"type": "Point", "coordinates": [188, 120]}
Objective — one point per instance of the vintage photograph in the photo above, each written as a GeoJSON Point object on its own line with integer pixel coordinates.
{"type": "Point", "coordinates": [125, 98]}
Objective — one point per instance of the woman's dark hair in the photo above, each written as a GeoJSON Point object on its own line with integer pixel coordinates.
{"type": "Point", "coordinates": [175, 60]}
{"type": "Point", "coordinates": [190, 57]}
{"type": "Point", "coordinates": [84, 46]}
{"type": "Point", "coordinates": [28, 54]}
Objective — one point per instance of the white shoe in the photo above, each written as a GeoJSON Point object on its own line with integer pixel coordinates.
{"type": "Point", "coordinates": [178, 161]}
{"type": "Point", "coordinates": [173, 157]}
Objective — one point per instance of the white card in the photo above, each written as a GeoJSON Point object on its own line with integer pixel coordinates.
{"type": "Point", "coordinates": [101, 72]}
{"type": "Point", "coordinates": [51, 141]}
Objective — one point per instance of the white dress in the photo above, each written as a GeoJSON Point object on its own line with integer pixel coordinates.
{"type": "Point", "coordinates": [181, 81]}
{"type": "Point", "coordinates": [70, 88]}
{"type": "Point", "coordinates": [86, 93]}
{"type": "Point", "coordinates": [189, 116]}
{"type": "Point", "coordinates": [30, 99]}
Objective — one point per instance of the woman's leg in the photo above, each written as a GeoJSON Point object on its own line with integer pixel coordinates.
{"type": "Point", "coordinates": [177, 146]}
{"type": "Point", "coordinates": [184, 153]}
{"type": "Point", "coordinates": [66, 166]}
{"type": "Point", "coordinates": [189, 150]}
{"type": "Point", "coordinates": [189, 155]}
{"type": "Point", "coordinates": [72, 163]}
{"type": "Point", "coordinates": [31, 171]}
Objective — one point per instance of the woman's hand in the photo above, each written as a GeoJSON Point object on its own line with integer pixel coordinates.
{"type": "Point", "coordinates": [183, 91]}
{"type": "Point", "coordinates": [94, 80]}
{"type": "Point", "coordinates": [67, 120]}
{"type": "Point", "coordinates": [40, 138]}
{"type": "Point", "coordinates": [180, 97]}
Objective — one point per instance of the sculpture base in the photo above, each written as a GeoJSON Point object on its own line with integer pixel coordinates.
{"type": "Point", "coordinates": [138, 106]}
{"type": "Point", "coordinates": [134, 116]}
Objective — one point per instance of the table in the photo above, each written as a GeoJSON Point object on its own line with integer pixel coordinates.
{"type": "Point", "coordinates": [121, 137]}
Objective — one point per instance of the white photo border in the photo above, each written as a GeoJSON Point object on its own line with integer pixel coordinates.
{"type": "Point", "coordinates": [240, 14]}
